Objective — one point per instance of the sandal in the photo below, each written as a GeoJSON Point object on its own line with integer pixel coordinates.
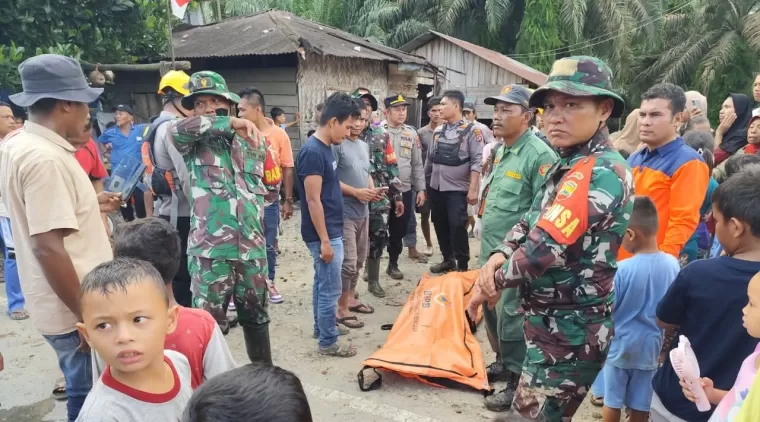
{"type": "Point", "coordinates": [349, 322]}
{"type": "Point", "coordinates": [362, 309]}
{"type": "Point", "coordinates": [342, 331]}
{"type": "Point", "coordinates": [339, 350]}
{"type": "Point", "coordinates": [59, 392]}
{"type": "Point", "coordinates": [19, 315]}
{"type": "Point", "coordinates": [597, 401]}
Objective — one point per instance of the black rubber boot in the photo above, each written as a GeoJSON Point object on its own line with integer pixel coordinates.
{"type": "Point", "coordinates": [496, 371]}
{"type": "Point", "coordinates": [257, 342]}
{"type": "Point", "coordinates": [502, 401]}
{"type": "Point", "coordinates": [443, 267]}
{"type": "Point", "coordinates": [373, 278]}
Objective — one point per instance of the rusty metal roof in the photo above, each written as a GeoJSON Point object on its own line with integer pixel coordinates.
{"type": "Point", "coordinates": [277, 32]}
{"type": "Point", "coordinates": [522, 70]}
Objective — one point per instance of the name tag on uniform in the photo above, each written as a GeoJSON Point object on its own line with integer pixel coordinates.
{"type": "Point", "coordinates": [513, 175]}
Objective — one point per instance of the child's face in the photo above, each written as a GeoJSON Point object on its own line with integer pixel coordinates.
{"type": "Point", "coordinates": [281, 119]}
{"type": "Point", "coordinates": [128, 328]}
{"type": "Point", "coordinates": [751, 312]}
{"type": "Point", "coordinates": [728, 232]}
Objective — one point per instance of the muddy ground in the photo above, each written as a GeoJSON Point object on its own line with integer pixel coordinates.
{"type": "Point", "coordinates": [31, 366]}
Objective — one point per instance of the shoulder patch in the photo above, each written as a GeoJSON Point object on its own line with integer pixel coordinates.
{"type": "Point", "coordinates": [566, 219]}
{"type": "Point", "coordinates": [542, 170]}
{"type": "Point", "coordinates": [478, 134]}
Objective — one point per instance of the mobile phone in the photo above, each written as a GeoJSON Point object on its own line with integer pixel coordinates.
{"type": "Point", "coordinates": [697, 103]}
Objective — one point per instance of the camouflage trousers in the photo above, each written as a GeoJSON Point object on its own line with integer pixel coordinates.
{"type": "Point", "coordinates": [378, 234]}
{"type": "Point", "coordinates": [562, 360]}
{"type": "Point", "coordinates": [215, 280]}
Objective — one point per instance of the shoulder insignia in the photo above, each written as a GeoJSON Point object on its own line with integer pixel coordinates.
{"type": "Point", "coordinates": [478, 134]}
{"type": "Point", "coordinates": [544, 169]}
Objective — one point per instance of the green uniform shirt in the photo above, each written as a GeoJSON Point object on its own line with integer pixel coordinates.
{"type": "Point", "coordinates": [517, 178]}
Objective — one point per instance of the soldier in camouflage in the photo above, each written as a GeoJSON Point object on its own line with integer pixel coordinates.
{"type": "Point", "coordinates": [561, 255]}
{"type": "Point", "coordinates": [384, 172]}
{"type": "Point", "coordinates": [227, 250]}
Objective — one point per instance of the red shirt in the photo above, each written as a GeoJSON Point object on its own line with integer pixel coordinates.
{"type": "Point", "coordinates": [193, 337]}
{"type": "Point", "coordinates": [90, 161]}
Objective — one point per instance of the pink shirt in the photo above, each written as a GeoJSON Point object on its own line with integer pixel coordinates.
{"type": "Point", "coordinates": [729, 407]}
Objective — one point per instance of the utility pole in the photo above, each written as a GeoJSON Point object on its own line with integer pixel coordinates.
{"type": "Point", "coordinates": [219, 10]}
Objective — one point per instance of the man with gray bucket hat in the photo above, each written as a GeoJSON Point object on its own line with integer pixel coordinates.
{"type": "Point", "coordinates": [55, 217]}
{"type": "Point", "coordinates": [561, 255]}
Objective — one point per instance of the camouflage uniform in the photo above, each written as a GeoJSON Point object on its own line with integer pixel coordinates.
{"type": "Point", "coordinates": [384, 172]}
{"type": "Point", "coordinates": [562, 257]}
{"type": "Point", "coordinates": [226, 247]}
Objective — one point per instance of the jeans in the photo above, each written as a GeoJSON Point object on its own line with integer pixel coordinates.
{"type": "Point", "coordinates": [12, 280]}
{"type": "Point", "coordinates": [271, 225]}
{"type": "Point", "coordinates": [327, 289]}
{"type": "Point", "coordinates": [410, 238]}
{"type": "Point", "coordinates": [76, 367]}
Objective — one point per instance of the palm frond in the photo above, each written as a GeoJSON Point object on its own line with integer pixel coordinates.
{"type": "Point", "coordinates": [751, 31]}
{"type": "Point", "coordinates": [407, 31]}
{"type": "Point", "coordinates": [496, 13]}
{"type": "Point", "coordinates": [573, 13]}
{"type": "Point", "coordinates": [687, 62]}
{"type": "Point", "coordinates": [452, 15]}
{"type": "Point", "coordinates": [719, 55]}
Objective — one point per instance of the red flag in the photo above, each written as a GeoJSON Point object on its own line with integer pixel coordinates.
{"type": "Point", "coordinates": [179, 7]}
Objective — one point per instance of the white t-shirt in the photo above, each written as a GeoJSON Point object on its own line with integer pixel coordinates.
{"type": "Point", "coordinates": [111, 401]}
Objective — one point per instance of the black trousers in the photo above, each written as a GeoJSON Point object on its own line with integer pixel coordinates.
{"type": "Point", "coordinates": [397, 226]}
{"type": "Point", "coordinates": [181, 283]}
{"type": "Point", "coordinates": [448, 211]}
{"type": "Point", "coordinates": [138, 209]}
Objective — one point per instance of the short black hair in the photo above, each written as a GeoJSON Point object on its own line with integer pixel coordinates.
{"type": "Point", "coordinates": [455, 95]}
{"type": "Point", "coordinates": [738, 163]}
{"type": "Point", "coordinates": [43, 106]}
{"type": "Point", "coordinates": [340, 106]}
{"type": "Point", "coordinates": [320, 107]}
{"type": "Point", "coordinates": [433, 101]}
{"type": "Point", "coordinates": [670, 92]}
{"type": "Point", "coordinates": [257, 392]}
{"type": "Point", "coordinates": [699, 139]}
{"type": "Point", "coordinates": [739, 197]}
{"type": "Point", "coordinates": [276, 111]}
{"type": "Point", "coordinates": [255, 96]}
{"type": "Point", "coordinates": [644, 216]}
{"type": "Point", "coordinates": [117, 275]}
{"type": "Point", "coordinates": [153, 240]}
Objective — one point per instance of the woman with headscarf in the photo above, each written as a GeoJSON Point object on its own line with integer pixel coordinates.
{"type": "Point", "coordinates": [731, 134]}
{"type": "Point", "coordinates": [628, 139]}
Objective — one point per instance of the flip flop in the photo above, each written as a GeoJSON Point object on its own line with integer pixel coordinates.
{"type": "Point", "coordinates": [347, 322]}
{"type": "Point", "coordinates": [597, 401]}
{"type": "Point", "coordinates": [362, 309]}
{"type": "Point", "coordinates": [59, 392]}
{"type": "Point", "coordinates": [19, 315]}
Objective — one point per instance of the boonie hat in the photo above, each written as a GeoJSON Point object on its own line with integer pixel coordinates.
{"type": "Point", "coordinates": [207, 83]}
{"type": "Point", "coordinates": [580, 76]}
{"type": "Point", "coordinates": [512, 94]}
{"type": "Point", "coordinates": [364, 93]}
{"type": "Point", "coordinates": [53, 76]}
{"type": "Point", "coordinates": [395, 100]}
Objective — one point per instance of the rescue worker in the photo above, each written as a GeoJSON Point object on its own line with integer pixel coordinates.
{"type": "Point", "coordinates": [562, 253]}
{"type": "Point", "coordinates": [453, 166]}
{"type": "Point", "coordinates": [225, 158]}
{"type": "Point", "coordinates": [384, 173]}
{"type": "Point", "coordinates": [519, 171]}
{"type": "Point", "coordinates": [406, 144]}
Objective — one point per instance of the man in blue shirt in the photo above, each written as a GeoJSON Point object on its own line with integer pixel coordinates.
{"type": "Point", "coordinates": [322, 216]}
{"type": "Point", "coordinates": [125, 142]}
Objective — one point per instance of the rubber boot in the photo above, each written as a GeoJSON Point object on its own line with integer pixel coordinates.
{"type": "Point", "coordinates": [373, 278]}
{"type": "Point", "coordinates": [257, 342]}
{"type": "Point", "coordinates": [502, 401]}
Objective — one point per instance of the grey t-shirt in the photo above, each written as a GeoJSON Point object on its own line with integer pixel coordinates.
{"type": "Point", "coordinates": [111, 401]}
{"type": "Point", "coordinates": [352, 158]}
{"type": "Point", "coordinates": [167, 157]}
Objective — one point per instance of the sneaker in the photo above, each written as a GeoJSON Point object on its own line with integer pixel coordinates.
{"type": "Point", "coordinates": [274, 294]}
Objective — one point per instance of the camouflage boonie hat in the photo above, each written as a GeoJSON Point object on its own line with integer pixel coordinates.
{"type": "Point", "coordinates": [207, 83]}
{"type": "Point", "coordinates": [580, 76]}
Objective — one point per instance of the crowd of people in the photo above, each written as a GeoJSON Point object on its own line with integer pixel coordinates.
{"type": "Point", "coordinates": [545, 188]}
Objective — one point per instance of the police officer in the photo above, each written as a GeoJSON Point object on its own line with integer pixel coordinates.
{"type": "Point", "coordinates": [562, 253]}
{"type": "Point", "coordinates": [519, 170]}
{"type": "Point", "coordinates": [471, 115]}
{"type": "Point", "coordinates": [454, 163]}
{"type": "Point", "coordinates": [225, 159]}
{"type": "Point", "coordinates": [406, 144]}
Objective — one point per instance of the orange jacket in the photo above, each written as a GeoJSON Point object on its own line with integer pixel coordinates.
{"type": "Point", "coordinates": [675, 177]}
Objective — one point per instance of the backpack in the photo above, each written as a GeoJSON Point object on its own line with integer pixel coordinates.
{"type": "Point", "coordinates": [160, 181]}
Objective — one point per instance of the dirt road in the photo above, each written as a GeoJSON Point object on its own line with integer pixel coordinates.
{"type": "Point", "coordinates": [31, 367]}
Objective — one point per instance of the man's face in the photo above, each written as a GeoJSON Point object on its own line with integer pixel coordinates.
{"type": "Point", "coordinates": [248, 111]}
{"type": "Point", "coordinates": [84, 137]}
{"type": "Point", "coordinates": [657, 123]}
{"type": "Point", "coordinates": [397, 115]}
{"type": "Point", "coordinates": [573, 120]}
{"type": "Point", "coordinates": [469, 115]}
{"type": "Point", "coordinates": [508, 119]}
{"type": "Point", "coordinates": [208, 104]}
{"type": "Point", "coordinates": [123, 118]}
{"type": "Point", "coordinates": [340, 131]}
{"type": "Point", "coordinates": [359, 125]}
{"type": "Point", "coordinates": [75, 117]}
{"type": "Point", "coordinates": [449, 108]}
{"type": "Point", "coordinates": [435, 114]}
{"type": "Point", "coordinates": [127, 328]}
{"type": "Point", "coordinates": [7, 121]}
{"type": "Point", "coordinates": [753, 133]}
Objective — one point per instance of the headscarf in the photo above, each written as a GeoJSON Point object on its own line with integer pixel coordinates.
{"type": "Point", "coordinates": [628, 138]}
{"type": "Point", "coordinates": [736, 136]}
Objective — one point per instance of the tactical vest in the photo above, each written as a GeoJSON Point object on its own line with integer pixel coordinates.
{"type": "Point", "coordinates": [447, 154]}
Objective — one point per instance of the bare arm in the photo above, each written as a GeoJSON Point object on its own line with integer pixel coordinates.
{"type": "Point", "coordinates": [287, 181]}
{"type": "Point", "coordinates": [49, 250]}
{"type": "Point", "coordinates": [313, 188]}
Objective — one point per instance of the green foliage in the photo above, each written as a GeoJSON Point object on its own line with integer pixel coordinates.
{"type": "Point", "coordinates": [539, 32]}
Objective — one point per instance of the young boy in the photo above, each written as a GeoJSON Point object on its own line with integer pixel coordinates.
{"type": "Point", "coordinates": [125, 308]}
{"type": "Point", "coordinates": [640, 283]}
{"type": "Point", "coordinates": [705, 301]}
{"type": "Point", "coordinates": [251, 393]}
{"type": "Point", "coordinates": [197, 336]}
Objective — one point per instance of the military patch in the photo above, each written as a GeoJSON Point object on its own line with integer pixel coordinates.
{"type": "Point", "coordinates": [566, 190]}
{"type": "Point", "coordinates": [506, 90]}
{"type": "Point", "coordinates": [544, 169]}
{"type": "Point", "coordinates": [575, 175]}
{"type": "Point", "coordinates": [513, 175]}
{"type": "Point", "coordinates": [566, 67]}
{"type": "Point", "coordinates": [478, 134]}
